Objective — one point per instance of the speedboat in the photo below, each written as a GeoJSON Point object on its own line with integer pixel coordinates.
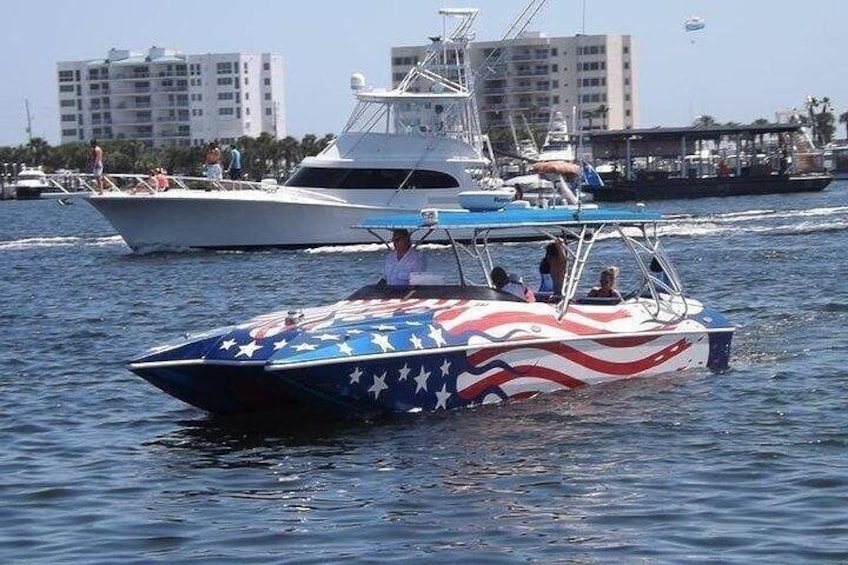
{"type": "Point", "coordinates": [415, 146]}
{"type": "Point", "coordinates": [451, 339]}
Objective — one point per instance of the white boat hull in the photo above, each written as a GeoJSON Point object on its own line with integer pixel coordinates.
{"type": "Point", "coordinates": [181, 219]}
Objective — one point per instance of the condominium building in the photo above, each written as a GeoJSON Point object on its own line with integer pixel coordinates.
{"type": "Point", "coordinates": [590, 79]}
{"type": "Point", "coordinates": [166, 98]}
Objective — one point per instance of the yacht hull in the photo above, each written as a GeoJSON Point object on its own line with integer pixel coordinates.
{"type": "Point", "coordinates": [186, 219]}
{"type": "Point", "coordinates": [234, 220]}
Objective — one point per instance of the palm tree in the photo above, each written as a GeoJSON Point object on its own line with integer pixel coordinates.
{"type": "Point", "coordinates": [705, 120]}
{"type": "Point", "coordinates": [289, 149]}
{"type": "Point", "coordinates": [37, 151]}
{"type": "Point", "coordinates": [589, 115]}
{"type": "Point", "coordinates": [843, 119]}
{"type": "Point", "coordinates": [603, 112]}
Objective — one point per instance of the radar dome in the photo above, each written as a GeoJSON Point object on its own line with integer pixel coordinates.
{"type": "Point", "coordinates": [357, 82]}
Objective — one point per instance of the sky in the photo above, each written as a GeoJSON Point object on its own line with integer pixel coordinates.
{"type": "Point", "coordinates": [753, 58]}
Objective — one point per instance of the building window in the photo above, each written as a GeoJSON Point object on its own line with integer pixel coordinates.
{"type": "Point", "coordinates": [266, 66]}
{"type": "Point", "coordinates": [225, 80]}
{"type": "Point", "coordinates": [66, 76]}
{"type": "Point", "coordinates": [225, 96]}
{"type": "Point", "coordinates": [267, 111]}
{"type": "Point", "coordinates": [267, 96]}
{"type": "Point", "coordinates": [553, 51]}
{"type": "Point", "coordinates": [66, 88]}
{"type": "Point", "coordinates": [626, 65]}
{"type": "Point", "coordinates": [69, 117]}
{"type": "Point", "coordinates": [267, 82]}
{"type": "Point", "coordinates": [224, 68]}
{"type": "Point", "coordinates": [225, 111]}
{"type": "Point", "coordinates": [69, 104]}
{"type": "Point", "coordinates": [69, 132]}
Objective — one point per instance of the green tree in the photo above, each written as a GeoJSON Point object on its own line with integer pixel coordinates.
{"type": "Point", "coordinates": [37, 151]}
{"type": "Point", "coordinates": [261, 156]}
{"type": "Point", "coordinates": [704, 121]}
{"type": "Point", "coordinates": [821, 121]}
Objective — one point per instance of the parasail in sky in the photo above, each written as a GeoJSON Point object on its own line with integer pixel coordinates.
{"type": "Point", "coordinates": [694, 23]}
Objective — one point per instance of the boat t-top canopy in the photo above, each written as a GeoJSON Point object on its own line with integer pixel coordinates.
{"type": "Point", "coordinates": [469, 231]}
{"type": "Point", "coordinates": [509, 218]}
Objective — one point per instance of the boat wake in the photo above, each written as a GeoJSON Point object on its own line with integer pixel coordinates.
{"type": "Point", "coordinates": [48, 242]}
{"type": "Point", "coordinates": [778, 222]}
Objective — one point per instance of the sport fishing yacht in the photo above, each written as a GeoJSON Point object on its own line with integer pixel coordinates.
{"type": "Point", "coordinates": [415, 146]}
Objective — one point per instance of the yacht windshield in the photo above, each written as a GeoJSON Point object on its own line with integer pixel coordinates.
{"type": "Point", "coordinates": [347, 178]}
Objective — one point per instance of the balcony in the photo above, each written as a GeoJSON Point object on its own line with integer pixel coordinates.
{"type": "Point", "coordinates": [531, 56]}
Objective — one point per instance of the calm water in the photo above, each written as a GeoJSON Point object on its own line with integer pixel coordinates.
{"type": "Point", "coordinates": [747, 466]}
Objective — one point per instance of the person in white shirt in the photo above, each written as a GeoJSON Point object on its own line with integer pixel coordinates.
{"type": "Point", "coordinates": [402, 260]}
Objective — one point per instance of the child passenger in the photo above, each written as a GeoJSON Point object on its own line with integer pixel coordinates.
{"type": "Point", "coordinates": [607, 284]}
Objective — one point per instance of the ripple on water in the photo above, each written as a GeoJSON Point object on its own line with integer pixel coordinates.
{"type": "Point", "coordinates": [100, 467]}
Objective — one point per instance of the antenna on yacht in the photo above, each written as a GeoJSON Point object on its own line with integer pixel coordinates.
{"type": "Point", "coordinates": [512, 34]}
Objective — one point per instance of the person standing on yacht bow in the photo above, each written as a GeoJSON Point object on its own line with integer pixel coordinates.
{"type": "Point", "coordinates": [235, 163]}
{"type": "Point", "coordinates": [97, 166]}
{"type": "Point", "coordinates": [402, 260]}
{"type": "Point", "coordinates": [212, 161]}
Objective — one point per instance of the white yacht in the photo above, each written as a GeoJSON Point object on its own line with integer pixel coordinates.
{"type": "Point", "coordinates": [413, 147]}
{"type": "Point", "coordinates": [558, 145]}
{"type": "Point", "coordinates": [30, 183]}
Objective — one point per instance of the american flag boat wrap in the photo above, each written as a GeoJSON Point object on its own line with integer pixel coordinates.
{"type": "Point", "coordinates": [438, 347]}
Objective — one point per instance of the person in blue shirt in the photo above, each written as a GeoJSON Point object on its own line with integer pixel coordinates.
{"type": "Point", "coordinates": [235, 163]}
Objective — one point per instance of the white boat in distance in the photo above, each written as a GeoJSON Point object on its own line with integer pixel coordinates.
{"type": "Point", "coordinates": [30, 183]}
{"type": "Point", "coordinates": [413, 147]}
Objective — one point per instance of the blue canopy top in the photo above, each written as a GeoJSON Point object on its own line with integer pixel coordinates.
{"type": "Point", "coordinates": [511, 218]}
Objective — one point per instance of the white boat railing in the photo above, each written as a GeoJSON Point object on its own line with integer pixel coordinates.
{"type": "Point", "coordinates": [74, 183]}
{"type": "Point", "coordinates": [84, 185]}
